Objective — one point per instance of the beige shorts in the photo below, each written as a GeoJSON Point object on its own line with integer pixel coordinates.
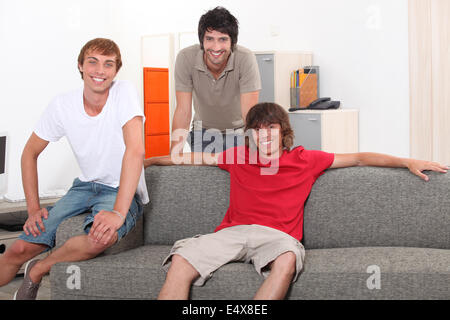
{"type": "Point", "coordinates": [255, 244]}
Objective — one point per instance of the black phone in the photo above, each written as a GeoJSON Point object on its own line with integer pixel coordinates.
{"type": "Point", "coordinates": [323, 103]}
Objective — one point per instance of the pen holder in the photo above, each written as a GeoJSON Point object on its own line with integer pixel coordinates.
{"type": "Point", "coordinates": [308, 91]}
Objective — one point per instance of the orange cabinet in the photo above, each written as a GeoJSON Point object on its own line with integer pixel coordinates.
{"type": "Point", "coordinates": [156, 102]}
{"type": "Point", "coordinates": [157, 145]}
{"type": "Point", "coordinates": [158, 120]}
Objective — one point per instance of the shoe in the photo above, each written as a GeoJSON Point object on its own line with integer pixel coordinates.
{"type": "Point", "coordinates": [28, 289]}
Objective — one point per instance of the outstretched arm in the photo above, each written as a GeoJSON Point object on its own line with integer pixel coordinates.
{"type": "Point", "coordinates": [383, 160]}
{"type": "Point", "coordinates": [192, 158]}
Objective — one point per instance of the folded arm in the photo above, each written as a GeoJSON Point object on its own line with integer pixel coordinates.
{"type": "Point", "coordinates": [383, 160]}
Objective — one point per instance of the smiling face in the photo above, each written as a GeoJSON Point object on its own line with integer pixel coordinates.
{"type": "Point", "coordinates": [98, 71]}
{"type": "Point", "coordinates": [217, 48]}
{"type": "Point", "coordinates": [269, 130]}
{"type": "Point", "coordinates": [269, 140]}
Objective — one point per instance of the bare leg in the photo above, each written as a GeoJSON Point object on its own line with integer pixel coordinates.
{"type": "Point", "coordinates": [277, 283]}
{"type": "Point", "coordinates": [179, 278]}
{"type": "Point", "coordinates": [78, 248]}
{"type": "Point", "coordinates": [15, 256]}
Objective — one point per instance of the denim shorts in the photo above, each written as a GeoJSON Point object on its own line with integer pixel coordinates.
{"type": "Point", "coordinates": [84, 197]}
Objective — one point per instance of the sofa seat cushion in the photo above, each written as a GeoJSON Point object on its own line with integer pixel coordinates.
{"type": "Point", "coordinates": [374, 273]}
{"type": "Point", "coordinates": [403, 273]}
{"type": "Point", "coordinates": [137, 274]}
{"type": "Point", "coordinates": [131, 274]}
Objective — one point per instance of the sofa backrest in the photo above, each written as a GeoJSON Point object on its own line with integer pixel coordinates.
{"type": "Point", "coordinates": [371, 206]}
{"type": "Point", "coordinates": [184, 201]}
{"type": "Point", "coordinates": [348, 207]}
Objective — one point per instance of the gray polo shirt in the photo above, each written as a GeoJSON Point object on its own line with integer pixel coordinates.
{"type": "Point", "coordinates": [217, 103]}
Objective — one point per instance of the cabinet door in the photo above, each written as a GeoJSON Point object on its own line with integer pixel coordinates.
{"type": "Point", "coordinates": [156, 85]}
{"type": "Point", "coordinates": [157, 118]}
{"type": "Point", "coordinates": [156, 99]}
{"type": "Point", "coordinates": [307, 130]}
{"type": "Point", "coordinates": [157, 145]}
{"type": "Point", "coordinates": [267, 74]}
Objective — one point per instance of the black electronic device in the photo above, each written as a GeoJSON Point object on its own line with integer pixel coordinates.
{"type": "Point", "coordinates": [319, 104]}
{"type": "Point", "coordinates": [2, 154]}
{"type": "Point", "coordinates": [323, 104]}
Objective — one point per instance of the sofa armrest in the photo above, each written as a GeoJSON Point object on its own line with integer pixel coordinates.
{"type": "Point", "coordinates": [74, 226]}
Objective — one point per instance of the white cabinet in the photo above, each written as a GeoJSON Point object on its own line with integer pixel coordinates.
{"type": "Point", "coordinates": [275, 69]}
{"type": "Point", "coordinates": [334, 131]}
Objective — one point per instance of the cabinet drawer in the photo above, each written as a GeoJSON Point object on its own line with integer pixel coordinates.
{"type": "Point", "coordinates": [157, 118]}
{"type": "Point", "coordinates": [157, 145]}
{"type": "Point", "coordinates": [156, 85]}
{"type": "Point", "coordinates": [307, 130]}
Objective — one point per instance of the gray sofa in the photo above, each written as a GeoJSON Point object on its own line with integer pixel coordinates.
{"type": "Point", "coordinates": [369, 233]}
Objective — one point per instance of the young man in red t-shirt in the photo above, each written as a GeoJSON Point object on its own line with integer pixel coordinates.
{"type": "Point", "coordinates": [269, 184]}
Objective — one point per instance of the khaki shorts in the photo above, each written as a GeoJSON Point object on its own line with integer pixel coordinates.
{"type": "Point", "coordinates": [255, 244]}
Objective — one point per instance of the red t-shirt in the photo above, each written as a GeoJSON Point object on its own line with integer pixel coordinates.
{"type": "Point", "coordinates": [271, 194]}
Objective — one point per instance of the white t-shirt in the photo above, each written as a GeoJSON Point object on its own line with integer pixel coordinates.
{"type": "Point", "coordinates": [97, 142]}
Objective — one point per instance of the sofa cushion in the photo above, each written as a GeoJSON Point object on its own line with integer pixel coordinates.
{"type": "Point", "coordinates": [348, 207]}
{"type": "Point", "coordinates": [368, 206]}
{"type": "Point", "coordinates": [184, 201]}
{"type": "Point", "coordinates": [132, 274]}
{"type": "Point", "coordinates": [374, 273]}
{"type": "Point", "coordinates": [405, 273]}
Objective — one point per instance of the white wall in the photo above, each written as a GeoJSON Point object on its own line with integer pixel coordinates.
{"type": "Point", "coordinates": [40, 42]}
{"type": "Point", "coordinates": [360, 45]}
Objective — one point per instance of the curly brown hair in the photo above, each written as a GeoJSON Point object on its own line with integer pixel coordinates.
{"type": "Point", "coordinates": [266, 113]}
{"type": "Point", "coordinates": [103, 46]}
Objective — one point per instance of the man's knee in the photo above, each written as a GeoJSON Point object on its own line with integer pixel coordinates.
{"type": "Point", "coordinates": [285, 264]}
{"type": "Point", "coordinates": [21, 251]}
{"type": "Point", "coordinates": [182, 268]}
{"type": "Point", "coordinates": [95, 248]}
{"type": "Point", "coordinates": [178, 262]}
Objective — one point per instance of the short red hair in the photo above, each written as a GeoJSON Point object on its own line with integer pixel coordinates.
{"type": "Point", "coordinates": [103, 46]}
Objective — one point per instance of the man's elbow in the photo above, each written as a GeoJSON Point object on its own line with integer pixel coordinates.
{"type": "Point", "coordinates": [141, 154]}
{"type": "Point", "coordinates": [28, 155]}
{"type": "Point", "coordinates": [136, 153]}
{"type": "Point", "coordinates": [361, 159]}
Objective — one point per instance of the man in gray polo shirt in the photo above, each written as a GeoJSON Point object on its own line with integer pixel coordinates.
{"type": "Point", "coordinates": [222, 79]}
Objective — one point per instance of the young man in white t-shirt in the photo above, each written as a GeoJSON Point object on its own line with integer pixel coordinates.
{"type": "Point", "coordinates": [103, 122]}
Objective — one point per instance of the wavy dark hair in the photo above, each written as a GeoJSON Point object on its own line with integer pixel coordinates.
{"type": "Point", "coordinates": [219, 19]}
{"type": "Point", "coordinates": [267, 113]}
